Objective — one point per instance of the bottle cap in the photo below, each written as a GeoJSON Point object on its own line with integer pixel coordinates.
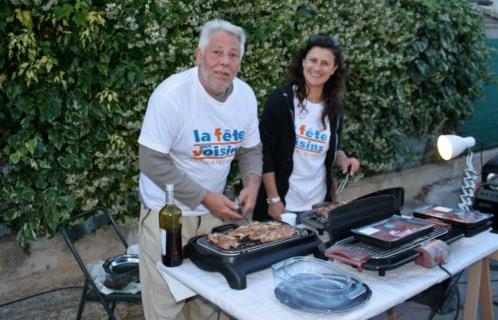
{"type": "Point", "coordinates": [170, 187]}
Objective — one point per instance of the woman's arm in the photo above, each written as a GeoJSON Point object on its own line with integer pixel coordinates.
{"type": "Point", "coordinates": [276, 206]}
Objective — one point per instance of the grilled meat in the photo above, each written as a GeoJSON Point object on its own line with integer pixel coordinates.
{"type": "Point", "coordinates": [252, 233]}
{"type": "Point", "coordinates": [324, 211]}
{"type": "Point", "coordinates": [224, 241]}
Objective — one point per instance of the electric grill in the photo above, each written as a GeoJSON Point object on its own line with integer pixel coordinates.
{"type": "Point", "coordinates": [345, 248]}
{"type": "Point", "coordinates": [382, 259]}
{"type": "Point", "coordinates": [317, 221]}
{"type": "Point", "coordinates": [236, 263]}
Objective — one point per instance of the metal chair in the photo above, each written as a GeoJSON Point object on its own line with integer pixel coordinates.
{"type": "Point", "coordinates": [91, 220]}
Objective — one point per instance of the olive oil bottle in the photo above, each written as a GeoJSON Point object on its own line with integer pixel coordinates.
{"type": "Point", "coordinates": [170, 229]}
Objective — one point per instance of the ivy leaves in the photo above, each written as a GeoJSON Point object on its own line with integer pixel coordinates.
{"type": "Point", "coordinates": [75, 78]}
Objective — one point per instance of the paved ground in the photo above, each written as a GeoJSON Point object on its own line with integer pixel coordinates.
{"type": "Point", "coordinates": [62, 304]}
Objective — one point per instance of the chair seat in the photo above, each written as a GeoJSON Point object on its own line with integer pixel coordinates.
{"type": "Point", "coordinates": [115, 296]}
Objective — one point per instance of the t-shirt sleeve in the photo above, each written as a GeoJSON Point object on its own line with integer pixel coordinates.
{"type": "Point", "coordinates": [252, 133]}
{"type": "Point", "coordinates": [161, 123]}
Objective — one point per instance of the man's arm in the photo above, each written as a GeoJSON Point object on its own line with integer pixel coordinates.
{"type": "Point", "coordinates": [160, 168]}
{"type": "Point", "coordinates": [250, 162]}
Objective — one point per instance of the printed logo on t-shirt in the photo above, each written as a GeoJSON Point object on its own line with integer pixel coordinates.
{"type": "Point", "coordinates": [217, 147]}
{"type": "Point", "coordinates": [310, 141]}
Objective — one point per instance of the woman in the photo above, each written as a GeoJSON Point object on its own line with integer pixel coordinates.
{"type": "Point", "coordinates": [300, 130]}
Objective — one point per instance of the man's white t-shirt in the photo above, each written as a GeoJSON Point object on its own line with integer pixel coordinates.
{"type": "Point", "coordinates": [307, 182]}
{"type": "Point", "coordinates": [200, 133]}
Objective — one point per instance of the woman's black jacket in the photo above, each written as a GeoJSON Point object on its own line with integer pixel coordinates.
{"type": "Point", "coordinates": [278, 136]}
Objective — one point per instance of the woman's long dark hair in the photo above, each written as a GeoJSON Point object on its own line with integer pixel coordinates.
{"type": "Point", "coordinates": [333, 90]}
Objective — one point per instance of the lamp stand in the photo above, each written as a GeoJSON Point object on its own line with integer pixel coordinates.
{"type": "Point", "coordinates": [468, 184]}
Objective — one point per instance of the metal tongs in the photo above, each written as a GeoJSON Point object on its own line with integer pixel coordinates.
{"type": "Point", "coordinates": [342, 186]}
{"type": "Point", "coordinates": [240, 210]}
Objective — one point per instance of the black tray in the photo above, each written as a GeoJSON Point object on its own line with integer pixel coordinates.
{"type": "Point", "coordinates": [392, 231]}
{"type": "Point", "coordinates": [456, 217]}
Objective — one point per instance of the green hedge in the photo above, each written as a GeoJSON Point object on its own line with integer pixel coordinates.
{"type": "Point", "coordinates": [75, 78]}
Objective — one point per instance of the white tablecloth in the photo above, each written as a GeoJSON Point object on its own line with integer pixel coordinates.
{"type": "Point", "coordinates": [258, 301]}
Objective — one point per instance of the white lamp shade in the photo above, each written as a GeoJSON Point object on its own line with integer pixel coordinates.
{"type": "Point", "coordinates": [450, 146]}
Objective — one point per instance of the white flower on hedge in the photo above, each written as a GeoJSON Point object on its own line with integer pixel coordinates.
{"type": "Point", "coordinates": [132, 23]}
{"type": "Point", "coordinates": [112, 10]}
{"type": "Point", "coordinates": [47, 5]}
{"type": "Point", "coordinates": [154, 34]}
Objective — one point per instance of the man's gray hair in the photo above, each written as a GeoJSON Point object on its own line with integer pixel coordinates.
{"type": "Point", "coordinates": [215, 25]}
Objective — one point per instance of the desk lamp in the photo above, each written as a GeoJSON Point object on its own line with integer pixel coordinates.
{"type": "Point", "coordinates": [449, 147]}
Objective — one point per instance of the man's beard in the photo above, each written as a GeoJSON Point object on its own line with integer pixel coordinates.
{"type": "Point", "coordinates": [219, 88]}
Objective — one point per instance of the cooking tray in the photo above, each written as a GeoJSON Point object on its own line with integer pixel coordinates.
{"type": "Point", "coordinates": [467, 220]}
{"type": "Point", "coordinates": [393, 231]}
{"type": "Point", "coordinates": [246, 246]}
{"type": "Point", "coordinates": [236, 263]}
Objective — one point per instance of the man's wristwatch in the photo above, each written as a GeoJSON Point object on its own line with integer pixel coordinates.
{"type": "Point", "coordinates": [273, 200]}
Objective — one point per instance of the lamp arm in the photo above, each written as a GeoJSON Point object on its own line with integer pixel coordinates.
{"type": "Point", "coordinates": [468, 184]}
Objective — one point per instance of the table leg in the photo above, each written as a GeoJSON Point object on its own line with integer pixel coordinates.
{"type": "Point", "coordinates": [494, 255]}
{"type": "Point", "coordinates": [485, 294]}
{"type": "Point", "coordinates": [391, 315]}
{"type": "Point", "coordinates": [223, 316]}
{"type": "Point", "coordinates": [473, 286]}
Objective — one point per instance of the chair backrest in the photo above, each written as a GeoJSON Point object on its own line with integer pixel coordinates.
{"type": "Point", "coordinates": [91, 220]}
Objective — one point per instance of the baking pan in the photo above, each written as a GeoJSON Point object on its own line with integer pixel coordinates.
{"type": "Point", "coordinates": [393, 231]}
{"type": "Point", "coordinates": [463, 219]}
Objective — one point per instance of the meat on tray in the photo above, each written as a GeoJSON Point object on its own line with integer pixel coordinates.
{"type": "Point", "coordinates": [324, 210]}
{"type": "Point", "coordinates": [252, 233]}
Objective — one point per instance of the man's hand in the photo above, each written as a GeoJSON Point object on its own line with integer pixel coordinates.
{"type": "Point", "coordinates": [249, 193]}
{"type": "Point", "coordinates": [221, 207]}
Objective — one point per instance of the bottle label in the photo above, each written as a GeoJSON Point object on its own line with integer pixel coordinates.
{"type": "Point", "coordinates": [162, 237]}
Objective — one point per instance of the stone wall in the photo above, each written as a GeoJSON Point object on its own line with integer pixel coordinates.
{"type": "Point", "coordinates": [50, 263]}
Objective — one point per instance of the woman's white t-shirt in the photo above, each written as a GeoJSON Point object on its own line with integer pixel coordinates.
{"type": "Point", "coordinates": [307, 182]}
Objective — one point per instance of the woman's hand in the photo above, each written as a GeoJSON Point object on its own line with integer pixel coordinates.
{"type": "Point", "coordinates": [349, 165]}
{"type": "Point", "coordinates": [276, 209]}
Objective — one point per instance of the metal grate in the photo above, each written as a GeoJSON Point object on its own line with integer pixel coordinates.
{"type": "Point", "coordinates": [382, 253]}
{"type": "Point", "coordinates": [251, 247]}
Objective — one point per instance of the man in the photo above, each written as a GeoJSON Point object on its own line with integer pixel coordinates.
{"type": "Point", "coordinates": [196, 123]}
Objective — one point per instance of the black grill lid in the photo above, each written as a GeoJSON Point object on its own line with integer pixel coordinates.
{"type": "Point", "coordinates": [359, 213]}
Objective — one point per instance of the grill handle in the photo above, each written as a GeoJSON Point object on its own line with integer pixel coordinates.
{"type": "Point", "coordinates": [347, 256]}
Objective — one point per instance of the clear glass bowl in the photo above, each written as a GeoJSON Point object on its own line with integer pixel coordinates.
{"type": "Point", "coordinates": [310, 284]}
